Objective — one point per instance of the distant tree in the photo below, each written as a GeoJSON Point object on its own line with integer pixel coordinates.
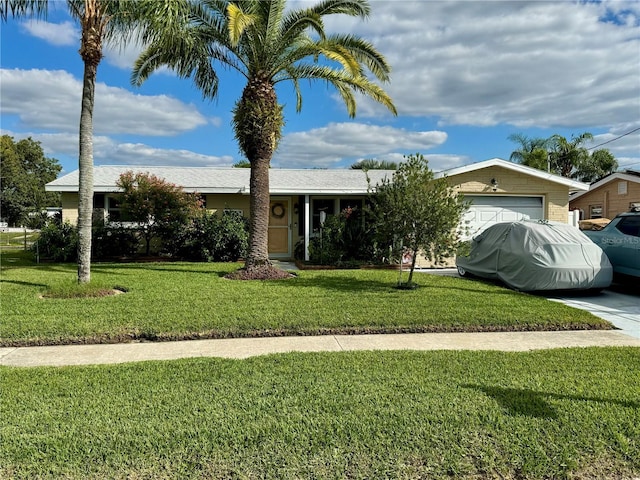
{"type": "Point", "coordinates": [415, 212]}
{"type": "Point", "coordinates": [242, 164]}
{"type": "Point", "coordinates": [598, 165]}
{"type": "Point", "coordinates": [569, 158]}
{"type": "Point", "coordinates": [24, 171]}
{"type": "Point", "coordinates": [155, 205]}
{"type": "Point", "coordinates": [371, 164]}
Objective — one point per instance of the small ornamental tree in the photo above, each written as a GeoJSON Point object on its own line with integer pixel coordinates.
{"type": "Point", "coordinates": [415, 212]}
{"type": "Point", "coordinates": [157, 207]}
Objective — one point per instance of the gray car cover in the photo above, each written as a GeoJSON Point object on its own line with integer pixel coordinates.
{"type": "Point", "coordinates": [538, 255]}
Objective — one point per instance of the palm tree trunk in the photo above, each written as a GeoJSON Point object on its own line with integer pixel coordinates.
{"type": "Point", "coordinates": [258, 124]}
{"type": "Point", "coordinates": [258, 255]}
{"type": "Point", "coordinates": [85, 197]}
{"type": "Point", "coordinates": [91, 53]}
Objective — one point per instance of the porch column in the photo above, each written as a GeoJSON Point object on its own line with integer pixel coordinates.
{"type": "Point", "coordinates": [307, 228]}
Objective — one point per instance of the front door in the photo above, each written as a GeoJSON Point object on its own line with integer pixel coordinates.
{"type": "Point", "coordinates": [279, 234]}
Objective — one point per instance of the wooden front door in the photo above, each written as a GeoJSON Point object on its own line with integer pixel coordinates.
{"type": "Point", "coordinates": [279, 234]}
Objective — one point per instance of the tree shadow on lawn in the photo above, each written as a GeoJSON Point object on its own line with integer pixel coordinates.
{"type": "Point", "coordinates": [160, 267]}
{"type": "Point", "coordinates": [532, 403]}
{"type": "Point", "coordinates": [344, 283]}
{"type": "Point", "coordinates": [25, 284]}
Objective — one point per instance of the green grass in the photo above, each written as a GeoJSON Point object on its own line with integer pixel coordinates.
{"type": "Point", "coordinates": [193, 300]}
{"type": "Point", "coordinates": [17, 239]}
{"type": "Point", "coordinates": [571, 413]}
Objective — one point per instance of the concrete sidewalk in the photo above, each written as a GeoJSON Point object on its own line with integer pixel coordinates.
{"type": "Point", "coordinates": [247, 347]}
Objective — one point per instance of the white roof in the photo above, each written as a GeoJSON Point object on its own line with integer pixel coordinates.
{"type": "Point", "coordinates": [233, 180]}
{"type": "Point", "coordinates": [633, 177]}
{"type": "Point", "coordinates": [281, 181]}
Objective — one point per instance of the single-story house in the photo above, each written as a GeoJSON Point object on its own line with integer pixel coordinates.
{"type": "Point", "coordinates": [499, 191]}
{"type": "Point", "coordinates": [616, 193]}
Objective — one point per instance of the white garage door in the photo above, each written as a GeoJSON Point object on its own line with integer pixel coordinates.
{"type": "Point", "coordinates": [485, 210]}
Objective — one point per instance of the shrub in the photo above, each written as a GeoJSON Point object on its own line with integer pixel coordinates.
{"type": "Point", "coordinates": [212, 238]}
{"type": "Point", "coordinates": [344, 240]}
{"type": "Point", "coordinates": [113, 240]}
{"type": "Point", "coordinates": [57, 242]}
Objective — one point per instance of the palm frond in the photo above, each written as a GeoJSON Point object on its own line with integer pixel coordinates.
{"type": "Point", "coordinates": [364, 52]}
{"type": "Point", "coordinates": [239, 21]}
{"type": "Point", "coordinates": [297, 22]}
{"type": "Point", "coordinates": [24, 9]}
{"type": "Point", "coordinates": [345, 83]}
{"type": "Point", "coordinates": [353, 8]}
{"type": "Point", "coordinates": [274, 16]}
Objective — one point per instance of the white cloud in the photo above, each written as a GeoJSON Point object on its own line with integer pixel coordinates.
{"type": "Point", "coordinates": [139, 154]}
{"type": "Point", "coordinates": [546, 64]}
{"type": "Point", "coordinates": [48, 99]}
{"type": "Point", "coordinates": [107, 151]}
{"type": "Point", "coordinates": [58, 34]}
{"type": "Point", "coordinates": [327, 146]}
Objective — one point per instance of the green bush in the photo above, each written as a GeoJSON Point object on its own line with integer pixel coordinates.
{"type": "Point", "coordinates": [208, 237]}
{"type": "Point", "coordinates": [212, 238]}
{"type": "Point", "coordinates": [57, 242]}
{"type": "Point", "coordinates": [344, 240]}
{"type": "Point", "coordinates": [113, 240]}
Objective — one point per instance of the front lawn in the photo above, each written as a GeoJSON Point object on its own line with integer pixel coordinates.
{"type": "Point", "coordinates": [192, 300]}
{"type": "Point", "coordinates": [571, 413]}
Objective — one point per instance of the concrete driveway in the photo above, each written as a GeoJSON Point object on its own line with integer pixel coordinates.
{"type": "Point", "coordinates": [619, 304]}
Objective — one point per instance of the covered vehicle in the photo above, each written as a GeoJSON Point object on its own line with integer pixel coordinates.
{"type": "Point", "coordinates": [537, 255]}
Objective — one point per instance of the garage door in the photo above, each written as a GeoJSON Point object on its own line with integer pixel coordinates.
{"type": "Point", "coordinates": [485, 210]}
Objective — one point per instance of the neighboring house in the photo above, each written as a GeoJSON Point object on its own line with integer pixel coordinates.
{"type": "Point", "coordinates": [616, 193]}
{"type": "Point", "coordinates": [499, 191]}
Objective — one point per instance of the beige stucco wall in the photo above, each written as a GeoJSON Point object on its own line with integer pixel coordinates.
{"type": "Point", "coordinates": [555, 196]}
{"type": "Point", "coordinates": [608, 197]}
{"type": "Point", "coordinates": [70, 207]}
{"type": "Point", "coordinates": [217, 202]}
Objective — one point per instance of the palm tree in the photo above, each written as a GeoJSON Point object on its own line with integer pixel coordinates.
{"type": "Point", "coordinates": [532, 151]}
{"type": "Point", "coordinates": [100, 20]}
{"type": "Point", "coordinates": [567, 156]}
{"type": "Point", "coordinates": [267, 44]}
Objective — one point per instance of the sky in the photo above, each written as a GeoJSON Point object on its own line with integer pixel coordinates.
{"type": "Point", "coordinates": [465, 76]}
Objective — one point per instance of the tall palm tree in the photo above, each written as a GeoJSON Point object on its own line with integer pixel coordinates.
{"type": "Point", "coordinates": [100, 21]}
{"type": "Point", "coordinates": [267, 44]}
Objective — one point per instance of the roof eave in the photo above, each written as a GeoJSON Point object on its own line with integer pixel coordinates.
{"type": "Point", "coordinates": [498, 162]}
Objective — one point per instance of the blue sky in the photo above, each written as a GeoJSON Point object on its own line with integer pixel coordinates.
{"type": "Point", "coordinates": [465, 76]}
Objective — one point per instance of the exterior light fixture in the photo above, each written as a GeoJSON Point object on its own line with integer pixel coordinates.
{"type": "Point", "coordinates": [494, 184]}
